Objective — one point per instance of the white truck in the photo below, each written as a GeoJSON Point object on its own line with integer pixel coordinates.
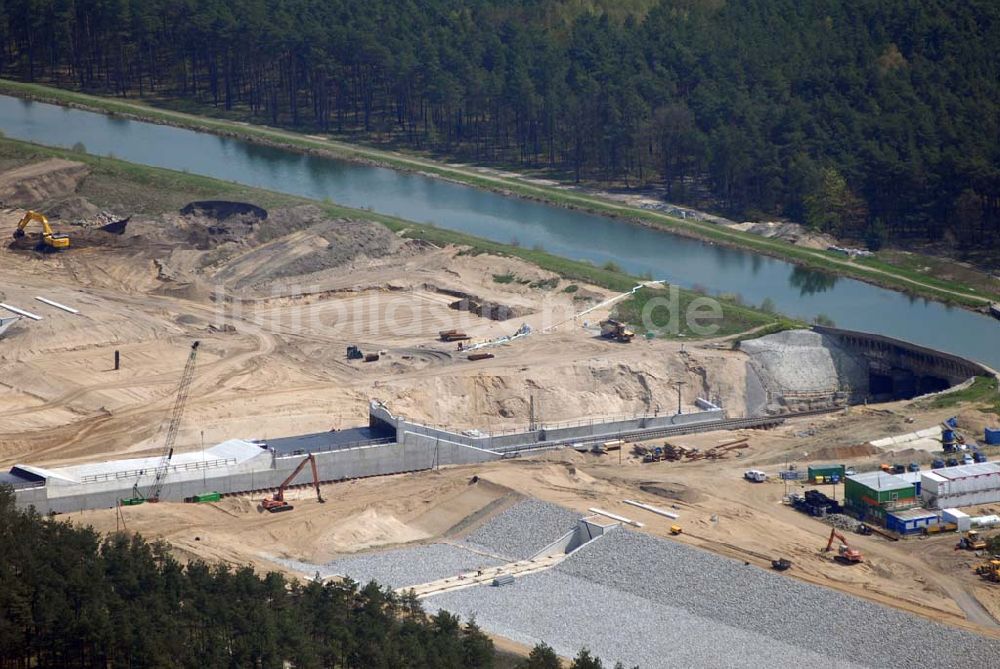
{"type": "Point", "coordinates": [755, 476]}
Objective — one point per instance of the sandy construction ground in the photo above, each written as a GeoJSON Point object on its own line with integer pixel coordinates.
{"type": "Point", "coordinates": [276, 302]}
{"type": "Point", "coordinates": [274, 335]}
{"type": "Point", "coordinates": [718, 512]}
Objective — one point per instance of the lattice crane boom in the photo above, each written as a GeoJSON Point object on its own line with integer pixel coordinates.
{"type": "Point", "coordinates": [175, 422]}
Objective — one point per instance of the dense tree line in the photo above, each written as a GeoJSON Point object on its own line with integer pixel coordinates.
{"type": "Point", "coordinates": [72, 598]}
{"type": "Point", "coordinates": [870, 119]}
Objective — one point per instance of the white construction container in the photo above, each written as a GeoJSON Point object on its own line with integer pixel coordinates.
{"type": "Point", "coordinates": [964, 485]}
{"type": "Point", "coordinates": [962, 520]}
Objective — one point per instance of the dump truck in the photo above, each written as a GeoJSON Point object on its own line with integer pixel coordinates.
{"type": "Point", "coordinates": [612, 329]}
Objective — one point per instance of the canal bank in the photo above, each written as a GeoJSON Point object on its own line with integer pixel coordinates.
{"type": "Point", "coordinates": [562, 232]}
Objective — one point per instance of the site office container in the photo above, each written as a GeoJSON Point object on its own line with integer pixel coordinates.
{"type": "Point", "coordinates": [964, 479]}
{"type": "Point", "coordinates": [968, 498]}
{"type": "Point", "coordinates": [910, 522]}
{"type": "Point", "coordinates": [959, 518]}
{"type": "Point", "coordinates": [825, 471]}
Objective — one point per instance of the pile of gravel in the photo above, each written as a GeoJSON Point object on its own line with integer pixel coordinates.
{"type": "Point", "coordinates": [401, 567]}
{"type": "Point", "coordinates": [842, 522]}
{"type": "Point", "coordinates": [631, 597]}
{"type": "Point", "coordinates": [524, 529]}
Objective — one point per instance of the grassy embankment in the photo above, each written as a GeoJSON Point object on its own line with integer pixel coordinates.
{"type": "Point", "coordinates": [983, 392]}
{"type": "Point", "coordinates": [877, 271]}
{"type": "Point", "coordinates": [150, 190]}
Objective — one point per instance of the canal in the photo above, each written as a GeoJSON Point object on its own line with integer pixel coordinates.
{"type": "Point", "coordinates": [571, 234]}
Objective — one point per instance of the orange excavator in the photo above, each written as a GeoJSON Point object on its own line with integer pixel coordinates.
{"type": "Point", "coordinates": [845, 553]}
{"type": "Point", "coordinates": [276, 503]}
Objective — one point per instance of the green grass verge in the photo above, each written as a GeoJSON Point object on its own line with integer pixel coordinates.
{"type": "Point", "coordinates": [673, 314]}
{"type": "Point", "coordinates": [872, 271]}
{"type": "Point", "coordinates": [982, 392]}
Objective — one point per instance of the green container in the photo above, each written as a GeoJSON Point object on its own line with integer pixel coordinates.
{"type": "Point", "coordinates": [825, 472]}
{"type": "Point", "coordinates": [133, 501]}
{"type": "Point", "coordinates": [208, 497]}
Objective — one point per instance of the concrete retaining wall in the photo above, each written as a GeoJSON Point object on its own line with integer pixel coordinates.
{"type": "Point", "coordinates": [417, 447]}
{"type": "Point", "coordinates": [264, 473]}
{"type": "Point", "coordinates": [589, 431]}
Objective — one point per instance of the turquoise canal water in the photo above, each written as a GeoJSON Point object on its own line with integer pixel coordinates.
{"type": "Point", "coordinates": [577, 235]}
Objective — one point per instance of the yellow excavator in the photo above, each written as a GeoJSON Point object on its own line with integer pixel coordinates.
{"type": "Point", "coordinates": [49, 240]}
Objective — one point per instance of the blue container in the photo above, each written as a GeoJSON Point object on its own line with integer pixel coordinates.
{"type": "Point", "coordinates": [992, 436]}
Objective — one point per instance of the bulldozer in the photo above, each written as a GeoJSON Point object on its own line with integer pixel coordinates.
{"type": "Point", "coordinates": [971, 542]}
{"type": "Point", "coordinates": [48, 241]}
{"type": "Point", "coordinates": [989, 570]}
{"type": "Point", "coordinates": [612, 329]}
{"type": "Point", "coordinates": [845, 554]}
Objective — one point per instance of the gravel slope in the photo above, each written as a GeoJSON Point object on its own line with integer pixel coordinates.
{"type": "Point", "coordinates": [570, 613]}
{"type": "Point", "coordinates": [401, 567]}
{"type": "Point", "coordinates": [524, 529]}
{"type": "Point", "coordinates": [658, 603]}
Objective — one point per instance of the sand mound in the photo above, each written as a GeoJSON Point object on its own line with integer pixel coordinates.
{"type": "Point", "coordinates": [674, 491]}
{"type": "Point", "coordinates": [368, 529]}
{"type": "Point", "coordinates": [565, 475]}
{"type": "Point", "coordinates": [833, 453]}
{"type": "Point", "coordinates": [300, 241]}
{"type": "Point", "coordinates": [33, 184]}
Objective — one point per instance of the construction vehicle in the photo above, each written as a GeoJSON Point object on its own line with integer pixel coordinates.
{"type": "Point", "coordinates": [990, 571]}
{"type": "Point", "coordinates": [153, 494]}
{"type": "Point", "coordinates": [675, 530]}
{"type": "Point", "coordinates": [987, 567]}
{"type": "Point", "coordinates": [612, 329]}
{"type": "Point", "coordinates": [971, 542]}
{"type": "Point", "coordinates": [940, 528]}
{"type": "Point", "coordinates": [48, 241]}
{"type": "Point", "coordinates": [453, 335]}
{"type": "Point", "coordinates": [845, 554]}
{"type": "Point", "coordinates": [276, 503]}
{"type": "Point", "coordinates": [354, 353]}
